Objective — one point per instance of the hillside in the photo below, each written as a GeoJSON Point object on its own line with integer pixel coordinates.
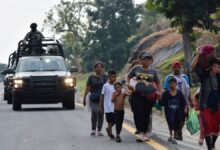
{"type": "Point", "coordinates": [167, 46]}
{"type": "Point", "coordinates": [161, 45]}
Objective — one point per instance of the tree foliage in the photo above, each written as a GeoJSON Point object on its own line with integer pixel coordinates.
{"type": "Point", "coordinates": [67, 19]}
{"type": "Point", "coordinates": [192, 13]}
{"type": "Point", "coordinates": [111, 23]}
{"type": "Point", "coordinates": [187, 14]}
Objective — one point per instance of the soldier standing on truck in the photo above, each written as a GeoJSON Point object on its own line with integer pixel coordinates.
{"type": "Point", "coordinates": [34, 39]}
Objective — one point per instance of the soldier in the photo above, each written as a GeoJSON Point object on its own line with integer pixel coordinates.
{"type": "Point", "coordinates": [34, 38]}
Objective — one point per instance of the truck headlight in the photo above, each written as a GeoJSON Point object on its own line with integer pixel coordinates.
{"type": "Point", "coordinates": [18, 83]}
{"type": "Point", "coordinates": [69, 82]}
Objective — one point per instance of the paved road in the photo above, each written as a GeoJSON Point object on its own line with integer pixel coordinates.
{"type": "Point", "coordinates": [49, 127]}
{"type": "Point", "coordinates": [52, 128]}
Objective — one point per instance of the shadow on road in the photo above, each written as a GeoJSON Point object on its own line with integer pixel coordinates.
{"type": "Point", "coordinates": [45, 109]}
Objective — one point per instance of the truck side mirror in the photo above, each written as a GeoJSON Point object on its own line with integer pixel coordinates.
{"type": "Point", "coordinates": [8, 71]}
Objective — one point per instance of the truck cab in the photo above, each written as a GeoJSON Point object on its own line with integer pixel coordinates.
{"type": "Point", "coordinates": [40, 79]}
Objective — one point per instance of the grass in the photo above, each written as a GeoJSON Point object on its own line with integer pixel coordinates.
{"type": "Point", "coordinates": [81, 79]}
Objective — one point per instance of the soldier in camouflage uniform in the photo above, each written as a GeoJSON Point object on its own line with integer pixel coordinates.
{"type": "Point", "coordinates": [34, 38]}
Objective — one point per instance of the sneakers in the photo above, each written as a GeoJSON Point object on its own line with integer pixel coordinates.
{"type": "Point", "coordinates": [92, 133]}
{"type": "Point", "coordinates": [99, 133]}
{"type": "Point", "coordinates": [140, 137]}
{"type": "Point", "coordinates": [118, 139]}
{"type": "Point", "coordinates": [146, 138]}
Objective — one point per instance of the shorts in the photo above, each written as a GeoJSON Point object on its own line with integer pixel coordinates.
{"type": "Point", "coordinates": [110, 117]}
{"type": "Point", "coordinates": [210, 121]}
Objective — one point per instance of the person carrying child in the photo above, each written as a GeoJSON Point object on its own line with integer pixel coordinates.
{"type": "Point", "coordinates": [106, 104]}
{"type": "Point", "coordinates": [175, 108]}
{"type": "Point", "coordinates": [118, 98]}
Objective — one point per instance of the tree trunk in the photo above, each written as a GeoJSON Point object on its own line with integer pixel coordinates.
{"type": "Point", "coordinates": [187, 51]}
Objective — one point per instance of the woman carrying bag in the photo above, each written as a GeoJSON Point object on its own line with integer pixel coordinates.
{"type": "Point", "coordinates": [94, 86]}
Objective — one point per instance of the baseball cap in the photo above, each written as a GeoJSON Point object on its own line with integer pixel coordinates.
{"type": "Point", "coordinates": [144, 55]}
{"type": "Point", "coordinates": [99, 63]}
{"type": "Point", "coordinates": [176, 63]}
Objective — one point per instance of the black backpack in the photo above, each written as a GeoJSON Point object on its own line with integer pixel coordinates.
{"type": "Point", "coordinates": [35, 38]}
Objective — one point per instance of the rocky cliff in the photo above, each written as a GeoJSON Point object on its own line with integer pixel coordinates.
{"type": "Point", "coordinates": [161, 45]}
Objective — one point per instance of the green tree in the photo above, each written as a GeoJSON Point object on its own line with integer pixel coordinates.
{"type": "Point", "coordinates": [187, 14]}
{"type": "Point", "coordinates": [68, 19]}
{"type": "Point", "coordinates": [111, 23]}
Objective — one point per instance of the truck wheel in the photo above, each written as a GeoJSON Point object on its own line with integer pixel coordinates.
{"type": "Point", "coordinates": [69, 103]}
{"type": "Point", "coordinates": [16, 105]}
{"type": "Point", "coordinates": [9, 100]}
{"type": "Point", "coordinates": [5, 94]}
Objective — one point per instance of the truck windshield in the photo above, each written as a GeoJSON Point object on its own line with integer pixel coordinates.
{"type": "Point", "coordinates": [41, 64]}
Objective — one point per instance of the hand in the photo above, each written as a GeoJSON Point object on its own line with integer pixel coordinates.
{"type": "Point", "coordinates": [198, 52]}
{"type": "Point", "coordinates": [84, 102]}
{"type": "Point", "coordinates": [159, 95]}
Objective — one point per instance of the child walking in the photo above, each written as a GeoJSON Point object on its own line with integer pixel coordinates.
{"type": "Point", "coordinates": [118, 98]}
{"type": "Point", "coordinates": [106, 102]}
{"type": "Point", "coordinates": [175, 108]}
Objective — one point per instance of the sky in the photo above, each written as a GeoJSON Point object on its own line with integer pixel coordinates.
{"type": "Point", "coordinates": [16, 17]}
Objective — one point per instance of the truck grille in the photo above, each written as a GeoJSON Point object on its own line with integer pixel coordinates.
{"type": "Point", "coordinates": [44, 83]}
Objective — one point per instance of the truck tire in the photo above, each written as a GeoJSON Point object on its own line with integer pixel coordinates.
{"type": "Point", "coordinates": [16, 105]}
{"type": "Point", "coordinates": [69, 103]}
{"type": "Point", "coordinates": [9, 100]}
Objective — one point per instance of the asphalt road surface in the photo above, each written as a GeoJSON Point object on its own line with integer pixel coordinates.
{"type": "Point", "coordinates": [49, 127]}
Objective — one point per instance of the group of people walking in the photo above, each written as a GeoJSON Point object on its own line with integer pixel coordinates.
{"type": "Point", "coordinates": [143, 89]}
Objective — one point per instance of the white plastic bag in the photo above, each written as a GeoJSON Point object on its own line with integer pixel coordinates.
{"type": "Point", "coordinates": [88, 101]}
{"type": "Point", "coordinates": [133, 82]}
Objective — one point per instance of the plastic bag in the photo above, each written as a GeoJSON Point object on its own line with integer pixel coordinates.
{"type": "Point", "coordinates": [88, 101]}
{"type": "Point", "coordinates": [192, 123]}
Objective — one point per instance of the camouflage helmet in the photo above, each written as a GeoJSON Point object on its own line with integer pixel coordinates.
{"type": "Point", "coordinates": [33, 26]}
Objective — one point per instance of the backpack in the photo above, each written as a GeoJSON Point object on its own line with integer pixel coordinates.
{"type": "Point", "coordinates": [35, 38]}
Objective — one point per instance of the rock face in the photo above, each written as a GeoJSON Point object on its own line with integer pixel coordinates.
{"type": "Point", "coordinates": [161, 45]}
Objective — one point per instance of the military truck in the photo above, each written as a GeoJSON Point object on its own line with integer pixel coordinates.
{"type": "Point", "coordinates": [39, 79]}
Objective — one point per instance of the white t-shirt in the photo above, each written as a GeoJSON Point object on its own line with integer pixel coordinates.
{"type": "Point", "coordinates": [107, 91]}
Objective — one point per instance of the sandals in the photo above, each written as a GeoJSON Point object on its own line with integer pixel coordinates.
{"type": "Point", "coordinates": [171, 140]}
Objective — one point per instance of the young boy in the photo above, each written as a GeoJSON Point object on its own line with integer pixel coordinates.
{"type": "Point", "coordinates": [106, 101]}
{"type": "Point", "coordinates": [118, 98]}
{"type": "Point", "coordinates": [175, 108]}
